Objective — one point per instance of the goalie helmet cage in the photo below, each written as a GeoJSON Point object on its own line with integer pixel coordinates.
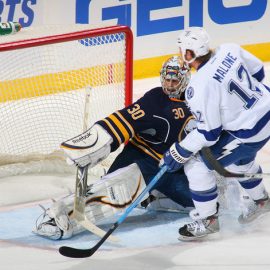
{"type": "Point", "coordinates": [57, 80]}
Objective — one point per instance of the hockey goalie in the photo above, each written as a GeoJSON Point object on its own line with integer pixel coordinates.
{"type": "Point", "coordinates": [147, 128]}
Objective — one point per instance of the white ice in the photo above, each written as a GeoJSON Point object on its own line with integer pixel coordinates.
{"type": "Point", "coordinates": [148, 239]}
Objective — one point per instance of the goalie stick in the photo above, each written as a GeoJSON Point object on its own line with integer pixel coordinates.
{"type": "Point", "coordinates": [82, 253]}
{"type": "Point", "coordinates": [208, 155]}
{"type": "Point", "coordinates": [81, 184]}
{"type": "Point", "coordinates": [79, 205]}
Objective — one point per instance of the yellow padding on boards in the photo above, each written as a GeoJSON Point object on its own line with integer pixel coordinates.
{"type": "Point", "coordinates": [150, 67]}
{"type": "Point", "coordinates": [95, 76]}
{"type": "Point", "coordinates": [260, 50]}
{"type": "Point", "coordinates": [54, 83]}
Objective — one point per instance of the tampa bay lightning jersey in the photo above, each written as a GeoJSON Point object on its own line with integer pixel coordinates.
{"type": "Point", "coordinates": [152, 124]}
{"type": "Point", "coordinates": [226, 93]}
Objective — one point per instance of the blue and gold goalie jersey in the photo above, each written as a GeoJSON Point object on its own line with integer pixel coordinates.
{"type": "Point", "coordinates": [152, 124]}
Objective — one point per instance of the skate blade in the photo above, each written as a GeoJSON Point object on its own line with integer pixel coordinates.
{"type": "Point", "coordinates": [201, 238]}
{"type": "Point", "coordinates": [255, 219]}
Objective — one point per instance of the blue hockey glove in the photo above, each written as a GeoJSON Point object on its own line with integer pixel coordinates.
{"type": "Point", "coordinates": [175, 157]}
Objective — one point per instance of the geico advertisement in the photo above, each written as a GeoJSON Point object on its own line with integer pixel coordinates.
{"type": "Point", "coordinates": [155, 23]}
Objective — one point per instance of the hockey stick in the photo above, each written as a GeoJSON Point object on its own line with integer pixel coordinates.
{"type": "Point", "coordinates": [223, 172]}
{"type": "Point", "coordinates": [81, 183]}
{"type": "Point", "coordinates": [82, 253]}
{"type": "Point", "coordinates": [79, 205]}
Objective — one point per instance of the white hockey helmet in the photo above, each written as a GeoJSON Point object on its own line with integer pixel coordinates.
{"type": "Point", "coordinates": [195, 39]}
{"type": "Point", "coordinates": [174, 69]}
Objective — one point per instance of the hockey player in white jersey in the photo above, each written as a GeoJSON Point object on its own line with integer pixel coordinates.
{"type": "Point", "coordinates": [231, 105]}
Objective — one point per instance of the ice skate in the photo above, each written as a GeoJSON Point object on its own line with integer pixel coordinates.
{"type": "Point", "coordinates": [199, 228]}
{"type": "Point", "coordinates": [255, 210]}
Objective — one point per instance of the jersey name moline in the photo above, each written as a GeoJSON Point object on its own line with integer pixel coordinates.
{"type": "Point", "coordinates": [152, 124]}
{"type": "Point", "coordinates": [226, 93]}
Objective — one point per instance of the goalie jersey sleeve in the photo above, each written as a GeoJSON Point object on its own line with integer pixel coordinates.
{"type": "Point", "coordinates": [226, 93]}
{"type": "Point", "coordinates": [151, 124]}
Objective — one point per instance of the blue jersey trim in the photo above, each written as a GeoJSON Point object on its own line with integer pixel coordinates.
{"type": "Point", "coordinates": [250, 184]}
{"type": "Point", "coordinates": [259, 75]}
{"type": "Point", "coordinates": [202, 64]}
{"type": "Point", "coordinates": [267, 87]}
{"type": "Point", "coordinates": [204, 196]}
{"type": "Point", "coordinates": [182, 151]}
{"type": "Point", "coordinates": [198, 198]}
{"type": "Point", "coordinates": [247, 133]}
{"type": "Point", "coordinates": [211, 135]}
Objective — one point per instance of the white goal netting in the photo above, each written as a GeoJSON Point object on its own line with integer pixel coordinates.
{"type": "Point", "coordinates": [55, 83]}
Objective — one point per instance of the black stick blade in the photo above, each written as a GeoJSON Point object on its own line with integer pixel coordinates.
{"type": "Point", "coordinates": [75, 253]}
{"type": "Point", "coordinates": [83, 253]}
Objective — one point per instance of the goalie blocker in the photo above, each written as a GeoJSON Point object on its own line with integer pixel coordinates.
{"type": "Point", "coordinates": [88, 148]}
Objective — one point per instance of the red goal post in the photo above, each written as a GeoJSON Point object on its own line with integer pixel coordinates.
{"type": "Point", "coordinates": [56, 82]}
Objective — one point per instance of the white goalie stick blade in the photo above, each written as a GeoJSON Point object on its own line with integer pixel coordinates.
{"type": "Point", "coordinates": [88, 225]}
{"type": "Point", "coordinates": [208, 155]}
{"type": "Point", "coordinates": [79, 205]}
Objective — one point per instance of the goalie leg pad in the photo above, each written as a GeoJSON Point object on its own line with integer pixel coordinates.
{"type": "Point", "coordinates": [114, 193]}
{"type": "Point", "coordinates": [108, 196]}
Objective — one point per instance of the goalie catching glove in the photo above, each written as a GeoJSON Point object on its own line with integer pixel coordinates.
{"type": "Point", "coordinates": [88, 148]}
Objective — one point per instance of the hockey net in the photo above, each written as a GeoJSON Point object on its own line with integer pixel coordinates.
{"type": "Point", "coordinates": [55, 83]}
